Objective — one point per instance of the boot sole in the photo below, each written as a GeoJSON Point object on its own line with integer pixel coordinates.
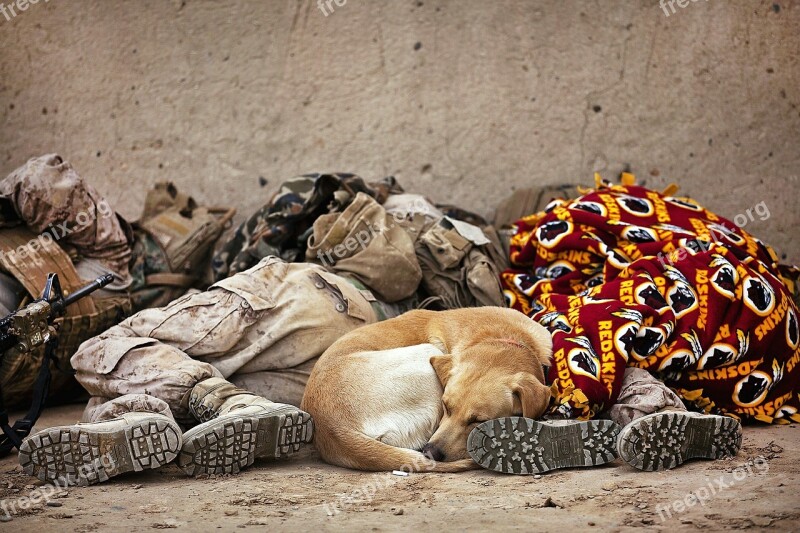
{"type": "Point", "coordinates": [517, 445]}
{"type": "Point", "coordinates": [81, 455]}
{"type": "Point", "coordinates": [665, 440]}
{"type": "Point", "coordinates": [231, 443]}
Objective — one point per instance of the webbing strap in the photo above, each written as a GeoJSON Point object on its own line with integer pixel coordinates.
{"type": "Point", "coordinates": [171, 279]}
{"type": "Point", "coordinates": [13, 435]}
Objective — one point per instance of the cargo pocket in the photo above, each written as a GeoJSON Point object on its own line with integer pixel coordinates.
{"type": "Point", "coordinates": [193, 325]}
{"type": "Point", "coordinates": [113, 350]}
{"type": "Point", "coordinates": [483, 280]}
{"type": "Point", "coordinates": [347, 299]}
{"type": "Point", "coordinates": [250, 289]}
{"type": "Point", "coordinates": [447, 246]}
{"type": "Point", "coordinates": [256, 284]}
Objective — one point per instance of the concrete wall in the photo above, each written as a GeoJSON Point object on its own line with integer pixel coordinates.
{"type": "Point", "coordinates": [461, 99]}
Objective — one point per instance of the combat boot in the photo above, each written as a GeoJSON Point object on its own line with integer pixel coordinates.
{"type": "Point", "coordinates": [84, 454]}
{"type": "Point", "coordinates": [237, 428]}
{"type": "Point", "coordinates": [517, 445]}
{"type": "Point", "coordinates": [669, 438]}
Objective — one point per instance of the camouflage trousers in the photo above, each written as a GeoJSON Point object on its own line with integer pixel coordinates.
{"type": "Point", "coordinates": [262, 329]}
{"type": "Point", "coordinates": [642, 394]}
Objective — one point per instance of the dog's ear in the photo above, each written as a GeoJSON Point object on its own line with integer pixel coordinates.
{"type": "Point", "coordinates": [442, 365]}
{"type": "Point", "coordinates": [439, 343]}
{"type": "Point", "coordinates": [534, 396]}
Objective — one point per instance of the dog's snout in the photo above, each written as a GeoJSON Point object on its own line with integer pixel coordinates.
{"type": "Point", "coordinates": [431, 451]}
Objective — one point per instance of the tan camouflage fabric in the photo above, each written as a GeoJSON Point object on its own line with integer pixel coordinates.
{"type": "Point", "coordinates": [281, 227]}
{"type": "Point", "coordinates": [31, 261]}
{"type": "Point", "coordinates": [50, 198]}
{"type": "Point", "coordinates": [47, 209]}
{"type": "Point", "coordinates": [460, 262]}
{"type": "Point", "coordinates": [364, 242]}
{"type": "Point", "coordinates": [100, 409]}
{"type": "Point", "coordinates": [642, 394]}
{"type": "Point", "coordinates": [409, 246]}
{"type": "Point", "coordinates": [269, 322]}
{"type": "Point", "coordinates": [50, 210]}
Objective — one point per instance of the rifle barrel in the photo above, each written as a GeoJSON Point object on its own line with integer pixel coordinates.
{"type": "Point", "coordinates": [99, 283]}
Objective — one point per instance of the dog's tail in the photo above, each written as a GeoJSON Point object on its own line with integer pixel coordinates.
{"type": "Point", "coordinates": [377, 456]}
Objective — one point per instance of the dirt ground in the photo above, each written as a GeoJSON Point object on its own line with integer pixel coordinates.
{"type": "Point", "coordinates": [755, 491]}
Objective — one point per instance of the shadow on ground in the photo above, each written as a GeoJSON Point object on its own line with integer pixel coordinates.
{"type": "Point", "coordinates": [757, 490]}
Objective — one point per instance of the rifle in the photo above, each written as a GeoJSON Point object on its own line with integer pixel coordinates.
{"type": "Point", "coordinates": [27, 328]}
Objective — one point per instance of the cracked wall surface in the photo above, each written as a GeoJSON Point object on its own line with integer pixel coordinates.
{"type": "Point", "coordinates": [463, 100]}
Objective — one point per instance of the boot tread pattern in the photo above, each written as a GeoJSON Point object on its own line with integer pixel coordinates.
{"type": "Point", "coordinates": [149, 445]}
{"type": "Point", "coordinates": [296, 429]}
{"type": "Point", "coordinates": [666, 440]}
{"type": "Point", "coordinates": [517, 445]}
{"type": "Point", "coordinates": [231, 443]}
{"type": "Point", "coordinates": [80, 455]}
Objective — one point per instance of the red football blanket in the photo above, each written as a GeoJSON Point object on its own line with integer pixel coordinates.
{"type": "Point", "coordinates": [625, 275]}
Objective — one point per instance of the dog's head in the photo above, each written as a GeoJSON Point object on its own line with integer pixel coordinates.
{"type": "Point", "coordinates": [492, 379]}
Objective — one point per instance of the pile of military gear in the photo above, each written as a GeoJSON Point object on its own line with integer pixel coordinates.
{"type": "Point", "coordinates": [172, 248]}
{"type": "Point", "coordinates": [52, 221]}
{"type": "Point", "coordinates": [400, 248]}
{"type": "Point", "coordinates": [398, 245]}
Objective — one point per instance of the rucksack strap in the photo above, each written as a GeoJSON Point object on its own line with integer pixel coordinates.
{"type": "Point", "coordinates": [170, 278]}
{"type": "Point", "coordinates": [13, 435]}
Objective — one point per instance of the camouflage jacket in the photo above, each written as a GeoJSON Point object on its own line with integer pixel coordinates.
{"type": "Point", "coordinates": [281, 227]}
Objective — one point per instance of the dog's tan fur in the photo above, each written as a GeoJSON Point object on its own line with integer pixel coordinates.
{"type": "Point", "coordinates": [490, 367]}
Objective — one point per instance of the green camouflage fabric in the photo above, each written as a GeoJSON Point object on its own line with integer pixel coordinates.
{"type": "Point", "coordinates": [147, 258]}
{"type": "Point", "coordinates": [174, 235]}
{"type": "Point", "coordinates": [282, 226]}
